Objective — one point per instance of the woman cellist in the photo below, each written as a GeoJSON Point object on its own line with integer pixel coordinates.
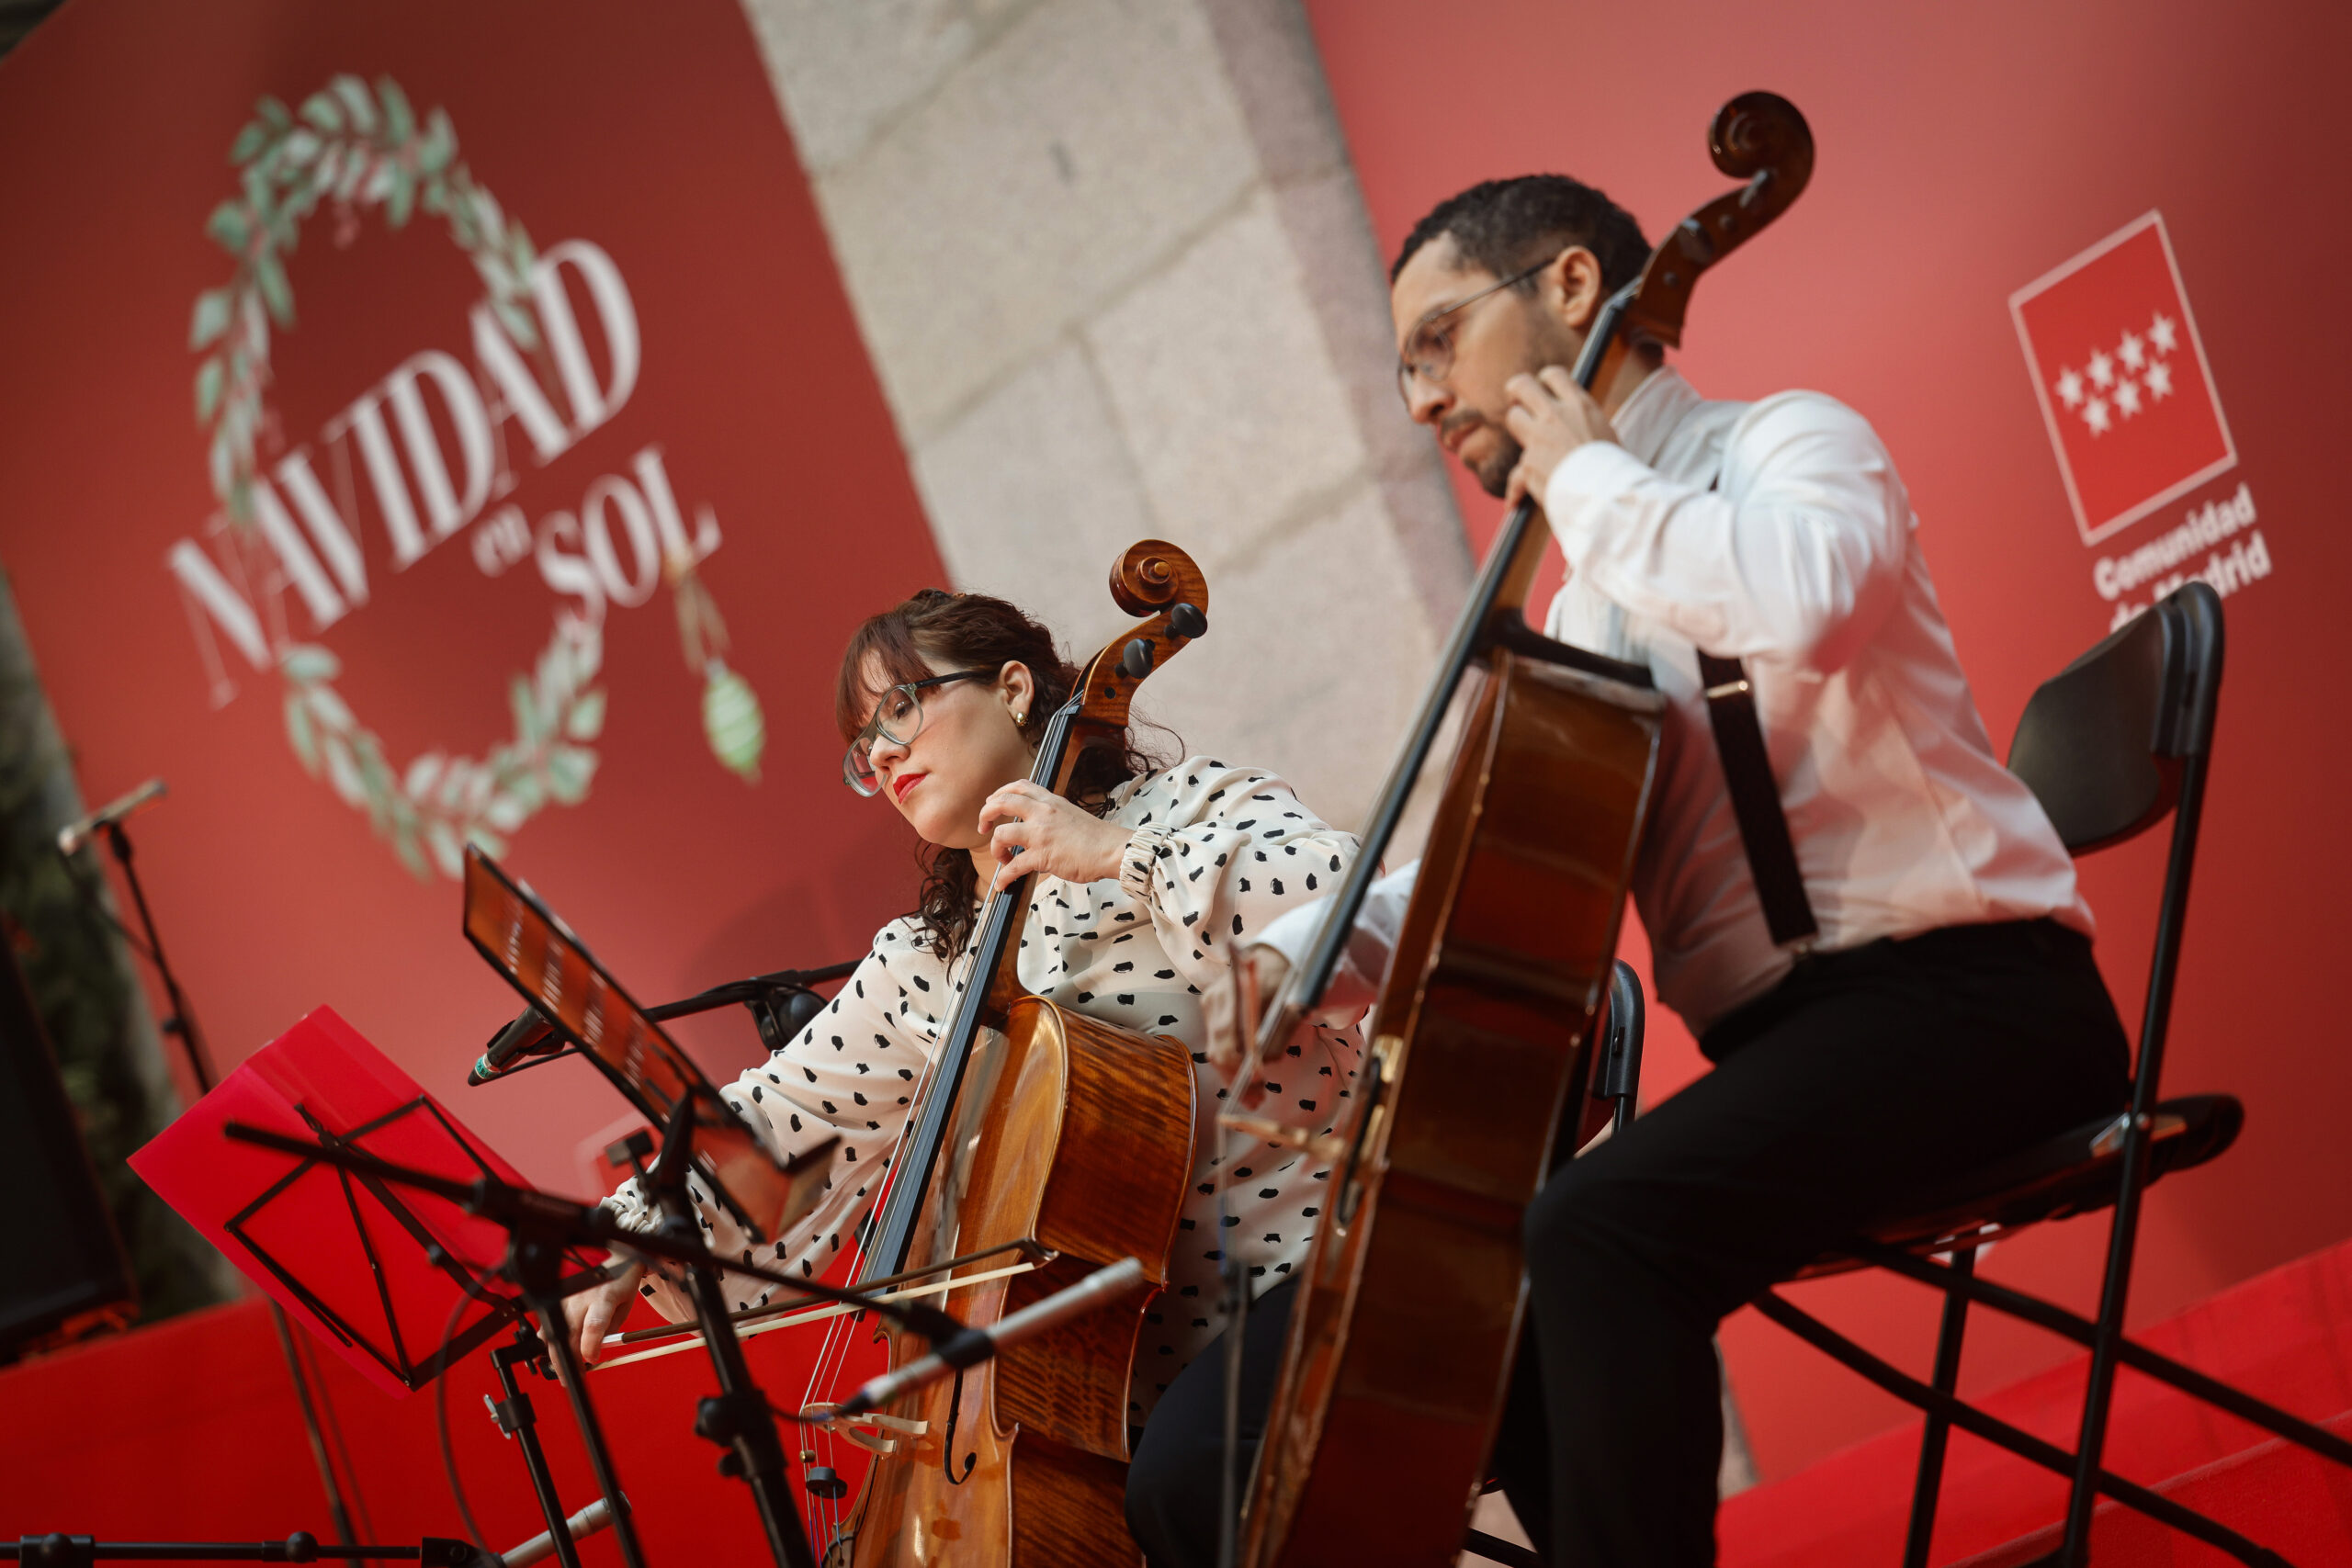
{"type": "Point", "coordinates": [1141, 885]}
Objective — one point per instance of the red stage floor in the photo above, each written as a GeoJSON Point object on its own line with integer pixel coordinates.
{"type": "Point", "coordinates": [2284, 1337]}
{"type": "Point", "coordinates": [188, 1430]}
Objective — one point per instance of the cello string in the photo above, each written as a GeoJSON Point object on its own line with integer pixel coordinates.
{"type": "Point", "coordinates": [1050, 755]}
{"type": "Point", "coordinates": [833, 1352]}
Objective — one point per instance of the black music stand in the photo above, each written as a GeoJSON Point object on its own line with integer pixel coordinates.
{"type": "Point", "coordinates": [544, 1226]}
{"type": "Point", "coordinates": [554, 971]}
{"type": "Point", "coordinates": [392, 1349]}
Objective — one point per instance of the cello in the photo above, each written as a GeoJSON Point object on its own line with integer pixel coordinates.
{"type": "Point", "coordinates": [1405, 1324]}
{"type": "Point", "coordinates": [1047, 1136]}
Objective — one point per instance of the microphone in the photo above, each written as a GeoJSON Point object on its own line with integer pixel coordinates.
{"type": "Point", "coordinates": [74, 835]}
{"type": "Point", "coordinates": [974, 1346]}
{"type": "Point", "coordinates": [595, 1517]}
{"type": "Point", "coordinates": [528, 1035]}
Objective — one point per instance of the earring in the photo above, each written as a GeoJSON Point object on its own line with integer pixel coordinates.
{"type": "Point", "coordinates": [1021, 719]}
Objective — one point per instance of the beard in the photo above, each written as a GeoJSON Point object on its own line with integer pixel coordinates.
{"type": "Point", "coordinates": [1494, 474]}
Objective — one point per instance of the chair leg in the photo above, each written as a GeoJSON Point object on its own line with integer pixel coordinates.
{"type": "Point", "coordinates": [1924, 1494]}
{"type": "Point", "coordinates": [2026, 1445]}
{"type": "Point", "coordinates": [2083, 1331]}
{"type": "Point", "coordinates": [2099, 1394]}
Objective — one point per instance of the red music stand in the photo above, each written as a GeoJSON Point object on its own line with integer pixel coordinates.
{"type": "Point", "coordinates": [376, 1273]}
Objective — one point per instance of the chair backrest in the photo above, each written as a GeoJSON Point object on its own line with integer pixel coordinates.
{"type": "Point", "coordinates": [2105, 742]}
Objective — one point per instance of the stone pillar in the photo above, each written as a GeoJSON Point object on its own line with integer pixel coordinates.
{"type": "Point", "coordinates": [1115, 276]}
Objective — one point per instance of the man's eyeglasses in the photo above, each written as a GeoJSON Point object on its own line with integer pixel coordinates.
{"type": "Point", "coordinates": [897, 718]}
{"type": "Point", "coordinates": [1428, 349]}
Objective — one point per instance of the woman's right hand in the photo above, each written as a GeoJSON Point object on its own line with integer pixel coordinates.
{"type": "Point", "coordinates": [589, 1316]}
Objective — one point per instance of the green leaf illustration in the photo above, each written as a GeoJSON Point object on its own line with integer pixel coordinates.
{"type": "Point", "coordinates": [250, 140]}
{"type": "Point", "coordinates": [309, 662]}
{"type": "Point", "coordinates": [301, 734]}
{"type": "Point", "coordinates": [405, 846]}
{"type": "Point", "coordinates": [448, 852]}
{"type": "Point", "coordinates": [586, 720]}
{"type": "Point", "coordinates": [526, 711]}
{"type": "Point", "coordinates": [354, 94]}
{"type": "Point", "coordinates": [521, 254]}
{"type": "Point", "coordinates": [207, 389]}
{"type": "Point", "coordinates": [329, 708]}
{"type": "Point", "coordinates": [321, 110]}
{"type": "Point", "coordinates": [423, 774]}
{"type": "Point", "coordinates": [269, 276]}
{"type": "Point", "coordinates": [400, 120]}
{"type": "Point", "coordinates": [229, 226]}
{"type": "Point", "coordinates": [520, 325]}
{"type": "Point", "coordinates": [570, 769]}
{"type": "Point", "coordinates": [211, 318]}
{"type": "Point", "coordinates": [400, 198]}
{"type": "Point", "coordinates": [342, 772]}
{"type": "Point", "coordinates": [440, 143]}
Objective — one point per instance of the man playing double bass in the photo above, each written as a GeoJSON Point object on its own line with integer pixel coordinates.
{"type": "Point", "coordinates": [1944, 1011]}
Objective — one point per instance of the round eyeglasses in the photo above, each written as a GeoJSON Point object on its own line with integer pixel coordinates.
{"type": "Point", "coordinates": [1428, 353]}
{"type": "Point", "coordinates": [897, 718]}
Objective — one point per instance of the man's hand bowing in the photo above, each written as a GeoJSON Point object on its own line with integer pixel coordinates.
{"type": "Point", "coordinates": [1550, 416]}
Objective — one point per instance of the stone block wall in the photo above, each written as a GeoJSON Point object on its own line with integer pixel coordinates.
{"type": "Point", "coordinates": [1117, 281]}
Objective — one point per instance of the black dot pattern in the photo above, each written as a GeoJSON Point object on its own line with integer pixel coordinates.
{"type": "Point", "coordinates": [1138, 963]}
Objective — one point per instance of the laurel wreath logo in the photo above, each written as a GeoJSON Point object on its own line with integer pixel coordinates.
{"type": "Point", "coordinates": [354, 148]}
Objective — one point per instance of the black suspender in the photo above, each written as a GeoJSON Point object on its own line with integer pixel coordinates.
{"type": "Point", "coordinates": [1756, 798]}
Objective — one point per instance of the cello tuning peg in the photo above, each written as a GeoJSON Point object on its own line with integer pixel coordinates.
{"type": "Point", "coordinates": [823, 1481]}
{"type": "Point", "coordinates": [1186, 620]}
{"type": "Point", "coordinates": [1136, 658]}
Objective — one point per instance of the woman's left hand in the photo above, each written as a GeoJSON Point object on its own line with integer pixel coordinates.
{"type": "Point", "coordinates": [1031, 829]}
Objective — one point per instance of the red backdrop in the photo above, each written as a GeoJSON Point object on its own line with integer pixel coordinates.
{"type": "Point", "coordinates": [662, 146]}
{"type": "Point", "coordinates": [1964, 155]}
{"type": "Point", "coordinates": [655, 139]}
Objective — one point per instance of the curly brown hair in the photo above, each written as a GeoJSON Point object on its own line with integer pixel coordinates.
{"type": "Point", "coordinates": [972, 631]}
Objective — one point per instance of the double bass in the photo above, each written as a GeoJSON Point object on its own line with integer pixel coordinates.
{"type": "Point", "coordinates": [1042, 1143]}
{"type": "Point", "coordinates": [1407, 1319]}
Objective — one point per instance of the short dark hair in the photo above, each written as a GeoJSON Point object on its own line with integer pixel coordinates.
{"type": "Point", "coordinates": [1508, 226]}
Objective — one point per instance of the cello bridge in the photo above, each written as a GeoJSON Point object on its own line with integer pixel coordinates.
{"type": "Point", "coordinates": [1328, 1147]}
{"type": "Point", "coordinates": [864, 1428]}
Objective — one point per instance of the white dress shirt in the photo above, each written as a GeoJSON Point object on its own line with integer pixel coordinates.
{"type": "Point", "coordinates": [1803, 561]}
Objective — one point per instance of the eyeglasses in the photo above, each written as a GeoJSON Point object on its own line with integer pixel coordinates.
{"type": "Point", "coordinates": [1428, 348]}
{"type": "Point", "coordinates": [897, 718]}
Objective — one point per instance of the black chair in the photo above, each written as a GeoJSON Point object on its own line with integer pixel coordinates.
{"type": "Point", "coordinates": [2110, 745]}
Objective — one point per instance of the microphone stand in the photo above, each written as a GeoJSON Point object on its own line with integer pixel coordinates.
{"type": "Point", "coordinates": [781, 1004]}
{"type": "Point", "coordinates": [769, 998]}
{"type": "Point", "coordinates": [518, 1420]}
{"type": "Point", "coordinates": [182, 1022]}
{"type": "Point", "coordinates": [542, 1225]}
{"type": "Point", "coordinates": [182, 1025]}
{"type": "Point", "coordinates": [535, 1257]}
{"type": "Point", "coordinates": [737, 1417]}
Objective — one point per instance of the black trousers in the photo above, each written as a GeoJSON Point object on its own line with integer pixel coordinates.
{"type": "Point", "coordinates": [1863, 1079]}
